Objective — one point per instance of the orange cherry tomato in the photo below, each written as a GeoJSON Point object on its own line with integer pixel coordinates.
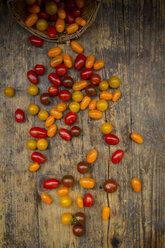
{"type": "Point", "coordinates": [116, 95]}
{"type": "Point", "coordinates": [87, 182]}
{"type": "Point", "coordinates": [56, 61]}
{"type": "Point", "coordinates": [49, 121]}
{"type": "Point", "coordinates": [85, 102]}
{"type": "Point", "coordinates": [80, 202]}
{"type": "Point", "coordinates": [106, 95]}
{"type": "Point", "coordinates": [80, 85]}
{"type": "Point", "coordinates": [80, 3]}
{"type": "Point", "coordinates": [72, 28]}
{"type": "Point", "coordinates": [92, 105]}
{"type": "Point", "coordinates": [46, 198]}
{"type": "Point", "coordinates": [62, 191]}
{"type": "Point", "coordinates": [34, 9]}
{"type": "Point", "coordinates": [62, 106]}
{"type": "Point", "coordinates": [56, 113]}
{"type": "Point", "coordinates": [34, 167]}
{"type": "Point", "coordinates": [31, 20]}
{"type": "Point", "coordinates": [136, 184]}
{"type": "Point", "coordinates": [54, 51]}
{"type": "Point", "coordinates": [105, 213]}
{"type": "Point", "coordinates": [95, 114]}
{"type": "Point", "coordinates": [61, 13]}
{"type": "Point", "coordinates": [91, 157]}
{"type": "Point", "coordinates": [68, 61]}
{"type": "Point", "coordinates": [60, 25]}
{"type": "Point", "coordinates": [75, 45]}
{"type": "Point", "coordinates": [80, 21]}
{"type": "Point", "coordinates": [137, 138]}
{"type": "Point", "coordinates": [98, 65]}
{"type": "Point", "coordinates": [52, 130]}
{"type": "Point", "coordinates": [90, 61]}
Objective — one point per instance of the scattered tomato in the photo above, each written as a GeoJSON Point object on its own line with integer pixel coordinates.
{"type": "Point", "coordinates": [54, 79]}
{"type": "Point", "coordinates": [74, 107]}
{"type": "Point", "coordinates": [32, 77]}
{"type": "Point", "coordinates": [65, 201]}
{"type": "Point", "coordinates": [87, 182]}
{"type": "Point", "coordinates": [65, 134]}
{"type": "Point", "coordinates": [88, 200]}
{"type": "Point", "coordinates": [95, 114]}
{"type": "Point", "coordinates": [19, 115]}
{"type": "Point", "coordinates": [9, 92]}
{"type": "Point", "coordinates": [51, 183]}
{"type": "Point", "coordinates": [75, 131]}
{"type": "Point", "coordinates": [105, 213]}
{"type": "Point", "coordinates": [91, 157]}
{"type": "Point", "coordinates": [106, 128]}
{"type": "Point", "coordinates": [38, 157]}
{"type": "Point", "coordinates": [67, 219]}
{"type": "Point", "coordinates": [38, 132]}
{"type": "Point", "coordinates": [52, 130]}
{"type": "Point", "coordinates": [33, 109]}
{"type": "Point", "coordinates": [53, 90]}
{"type": "Point", "coordinates": [68, 181]}
{"type": "Point", "coordinates": [117, 156]}
{"type": "Point", "coordinates": [83, 168]}
{"type": "Point", "coordinates": [32, 144]}
{"type": "Point", "coordinates": [45, 98]}
{"type": "Point", "coordinates": [46, 198]}
{"type": "Point", "coordinates": [114, 82]}
{"type": "Point", "coordinates": [77, 96]}
{"type": "Point", "coordinates": [79, 62]}
{"type": "Point", "coordinates": [39, 69]}
{"type": "Point", "coordinates": [78, 230]}
{"type": "Point", "coordinates": [43, 115]}
{"type": "Point", "coordinates": [36, 41]}
{"type": "Point", "coordinates": [110, 186]}
{"type": "Point", "coordinates": [62, 191]}
{"type": "Point", "coordinates": [111, 139]}
{"type": "Point", "coordinates": [33, 90]}
{"type": "Point", "coordinates": [79, 201]}
{"type": "Point", "coordinates": [136, 184]}
{"type": "Point", "coordinates": [64, 95]}
{"type": "Point", "coordinates": [42, 144]}
{"type": "Point", "coordinates": [34, 167]}
{"type": "Point", "coordinates": [49, 121]}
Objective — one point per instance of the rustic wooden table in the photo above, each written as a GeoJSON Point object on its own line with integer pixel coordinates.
{"type": "Point", "coordinates": [130, 37]}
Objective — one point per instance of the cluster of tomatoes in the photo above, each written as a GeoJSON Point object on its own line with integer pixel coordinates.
{"type": "Point", "coordinates": [59, 12]}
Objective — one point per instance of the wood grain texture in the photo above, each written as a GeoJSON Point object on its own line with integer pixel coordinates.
{"type": "Point", "coordinates": [130, 37]}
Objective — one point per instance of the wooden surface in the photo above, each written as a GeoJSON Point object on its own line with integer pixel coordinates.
{"type": "Point", "coordinates": [129, 36]}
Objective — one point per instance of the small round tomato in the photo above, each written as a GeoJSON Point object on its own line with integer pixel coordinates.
{"type": "Point", "coordinates": [136, 184]}
{"type": "Point", "coordinates": [106, 128]}
{"type": "Point", "coordinates": [38, 132]}
{"type": "Point", "coordinates": [79, 218]}
{"type": "Point", "coordinates": [70, 118]}
{"type": "Point", "coordinates": [77, 12]}
{"type": "Point", "coordinates": [117, 156]}
{"type": "Point", "coordinates": [54, 79]}
{"type": "Point", "coordinates": [83, 168]}
{"type": "Point", "coordinates": [61, 70]}
{"type": "Point", "coordinates": [39, 69]}
{"type": "Point", "coordinates": [78, 230]}
{"type": "Point", "coordinates": [67, 82]}
{"type": "Point", "coordinates": [62, 191]}
{"type": "Point", "coordinates": [103, 85]}
{"type": "Point", "coordinates": [46, 198]}
{"type": "Point", "coordinates": [32, 144]}
{"type": "Point", "coordinates": [80, 3]}
{"type": "Point", "coordinates": [19, 115]}
{"type": "Point", "coordinates": [49, 121]}
{"type": "Point", "coordinates": [80, 85]}
{"type": "Point", "coordinates": [79, 61]}
{"type": "Point", "coordinates": [61, 106]}
{"type": "Point", "coordinates": [42, 144]}
{"type": "Point", "coordinates": [61, 13]}
{"type": "Point", "coordinates": [33, 109]}
{"type": "Point", "coordinates": [9, 92]}
{"type": "Point", "coordinates": [45, 98]}
{"type": "Point", "coordinates": [90, 90]}
{"type": "Point", "coordinates": [33, 90]}
{"type": "Point", "coordinates": [68, 181]}
{"type": "Point", "coordinates": [67, 219]}
{"type": "Point", "coordinates": [53, 18]}
{"type": "Point", "coordinates": [75, 131]}
{"type": "Point", "coordinates": [110, 186]}
{"type": "Point", "coordinates": [41, 25]}
{"type": "Point", "coordinates": [43, 115]}
{"type": "Point", "coordinates": [65, 134]}
{"type": "Point", "coordinates": [38, 157]}
{"type": "Point", "coordinates": [53, 90]}
{"type": "Point", "coordinates": [32, 77]}
{"type": "Point", "coordinates": [86, 73]}
{"type": "Point", "coordinates": [87, 182]}
{"type": "Point", "coordinates": [111, 139]}
{"type": "Point", "coordinates": [34, 167]}
{"type": "Point", "coordinates": [79, 201]}
{"type": "Point", "coordinates": [77, 96]}
{"type": "Point", "coordinates": [52, 130]}
{"type": "Point", "coordinates": [88, 200]}
{"type": "Point", "coordinates": [36, 41]}
{"type": "Point", "coordinates": [102, 105]}
{"type": "Point", "coordinates": [51, 30]}
{"type": "Point", "coordinates": [64, 95]}
{"type": "Point", "coordinates": [66, 201]}
{"type": "Point", "coordinates": [114, 82]}
{"type": "Point", "coordinates": [95, 79]}
{"type": "Point", "coordinates": [51, 7]}
{"type": "Point", "coordinates": [51, 183]}
{"type": "Point", "coordinates": [91, 157]}
{"type": "Point", "coordinates": [74, 107]}
{"type": "Point", "coordinates": [34, 9]}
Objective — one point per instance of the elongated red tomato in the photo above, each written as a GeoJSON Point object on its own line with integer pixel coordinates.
{"type": "Point", "coordinates": [51, 31]}
{"type": "Point", "coordinates": [65, 134]}
{"type": "Point", "coordinates": [64, 95]}
{"type": "Point", "coordinates": [32, 76]}
{"type": "Point", "coordinates": [54, 79]}
{"type": "Point", "coordinates": [86, 73]}
{"type": "Point", "coordinates": [88, 200]}
{"type": "Point", "coordinates": [38, 132]}
{"type": "Point", "coordinates": [36, 41]}
{"type": "Point", "coordinates": [79, 62]}
{"type": "Point", "coordinates": [51, 183]}
{"type": "Point", "coordinates": [70, 118]}
{"type": "Point", "coordinates": [111, 139]}
{"type": "Point", "coordinates": [117, 156]}
{"type": "Point", "coordinates": [38, 157]}
{"type": "Point", "coordinates": [19, 115]}
{"type": "Point", "coordinates": [39, 69]}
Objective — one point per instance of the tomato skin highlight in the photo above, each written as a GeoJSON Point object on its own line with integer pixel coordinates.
{"type": "Point", "coordinates": [32, 77]}
{"type": "Point", "coordinates": [75, 131]}
{"type": "Point", "coordinates": [51, 183]}
{"type": "Point", "coordinates": [105, 213]}
{"type": "Point", "coordinates": [117, 156]}
{"type": "Point", "coordinates": [88, 200]}
{"type": "Point", "coordinates": [83, 167]}
{"type": "Point", "coordinates": [79, 62]}
{"type": "Point", "coordinates": [38, 132]}
{"type": "Point", "coordinates": [65, 134]}
{"type": "Point", "coordinates": [19, 115]}
{"type": "Point", "coordinates": [68, 181]}
{"type": "Point", "coordinates": [95, 79]}
{"type": "Point", "coordinates": [111, 139]}
{"type": "Point", "coordinates": [38, 157]}
{"type": "Point", "coordinates": [36, 41]}
{"type": "Point", "coordinates": [70, 118]}
{"type": "Point", "coordinates": [54, 79]}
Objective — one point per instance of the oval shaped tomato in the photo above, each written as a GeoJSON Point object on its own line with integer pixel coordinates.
{"type": "Point", "coordinates": [83, 167]}
{"type": "Point", "coordinates": [88, 200]}
{"type": "Point", "coordinates": [38, 157]}
{"type": "Point", "coordinates": [70, 118]}
{"type": "Point", "coordinates": [19, 115]}
{"type": "Point", "coordinates": [65, 134]}
{"type": "Point", "coordinates": [75, 131]}
{"type": "Point", "coordinates": [64, 95]}
{"type": "Point", "coordinates": [117, 156]}
{"type": "Point", "coordinates": [95, 79]}
{"type": "Point", "coordinates": [36, 41]}
{"type": "Point", "coordinates": [51, 30]}
{"type": "Point", "coordinates": [51, 183]}
{"type": "Point", "coordinates": [53, 90]}
{"type": "Point", "coordinates": [79, 62]}
{"type": "Point", "coordinates": [61, 70]}
{"type": "Point", "coordinates": [67, 82]}
{"type": "Point", "coordinates": [68, 181]}
{"type": "Point", "coordinates": [111, 139]}
{"type": "Point", "coordinates": [86, 73]}
{"type": "Point", "coordinates": [45, 98]}
{"type": "Point", "coordinates": [38, 132]}
{"type": "Point", "coordinates": [39, 69]}
{"type": "Point", "coordinates": [69, 17]}
{"type": "Point", "coordinates": [32, 77]}
{"type": "Point", "coordinates": [54, 79]}
{"type": "Point", "coordinates": [90, 90]}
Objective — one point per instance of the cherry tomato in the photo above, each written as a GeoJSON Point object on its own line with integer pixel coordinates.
{"type": "Point", "coordinates": [61, 106]}
{"type": "Point", "coordinates": [85, 102]}
{"type": "Point", "coordinates": [51, 7]}
{"type": "Point", "coordinates": [54, 51]}
{"type": "Point", "coordinates": [79, 201]}
{"type": "Point", "coordinates": [90, 61]}
{"type": "Point", "coordinates": [70, 118]}
{"type": "Point", "coordinates": [53, 90]}
{"type": "Point", "coordinates": [61, 13]}
{"type": "Point", "coordinates": [42, 144]}
{"type": "Point", "coordinates": [98, 65]}
{"type": "Point", "coordinates": [116, 95]}
{"type": "Point", "coordinates": [77, 96]}
{"type": "Point", "coordinates": [53, 18]}
{"type": "Point", "coordinates": [79, 218]}
{"type": "Point", "coordinates": [80, 85]}
{"type": "Point", "coordinates": [75, 45]}
{"type": "Point", "coordinates": [46, 198]}
{"type": "Point", "coordinates": [87, 182]}
{"type": "Point", "coordinates": [80, 21]}
{"type": "Point", "coordinates": [31, 20]}
{"type": "Point", "coordinates": [111, 139]}
{"type": "Point", "coordinates": [103, 85]}
{"type": "Point", "coordinates": [51, 183]}
{"type": "Point", "coordinates": [79, 62]}
{"type": "Point", "coordinates": [9, 92]}
{"type": "Point", "coordinates": [78, 230]}
{"type": "Point", "coordinates": [68, 61]}
{"type": "Point", "coordinates": [62, 191]}
{"type": "Point", "coordinates": [114, 82]}
{"type": "Point", "coordinates": [39, 69]}
{"type": "Point", "coordinates": [45, 98]}
{"type": "Point", "coordinates": [75, 131]}
{"type": "Point", "coordinates": [38, 157]}
{"type": "Point", "coordinates": [95, 114]}
{"type": "Point", "coordinates": [68, 181]}
{"type": "Point", "coordinates": [60, 25]}
{"type": "Point", "coordinates": [67, 82]}
{"type": "Point", "coordinates": [64, 95]}
{"type": "Point", "coordinates": [117, 156]}
{"type": "Point", "coordinates": [51, 30]}
{"type": "Point", "coordinates": [65, 134]}
{"type": "Point", "coordinates": [102, 105]}
{"type": "Point", "coordinates": [43, 15]}
{"type": "Point", "coordinates": [88, 200]}
{"type": "Point", "coordinates": [32, 144]}
{"type": "Point", "coordinates": [19, 115]}
{"type": "Point", "coordinates": [52, 130]}
{"type": "Point", "coordinates": [49, 121]}
{"type": "Point", "coordinates": [77, 12]}
{"type": "Point", "coordinates": [38, 132]}
{"type": "Point", "coordinates": [91, 157]}
{"type": "Point", "coordinates": [66, 201]}
{"type": "Point", "coordinates": [43, 115]}
{"type": "Point", "coordinates": [36, 41]}
{"type": "Point", "coordinates": [56, 61]}
{"type": "Point", "coordinates": [33, 90]}
{"type": "Point", "coordinates": [61, 70]}
{"type": "Point", "coordinates": [70, 4]}
{"type": "Point", "coordinates": [33, 109]}
{"type": "Point", "coordinates": [105, 213]}
{"type": "Point", "coordinates": [34, 167]}
{"type": "Point", "coordinates": [67, 219]}
{"type": "Point", "coordinates": [83, 168]}
{"type": "Point", "coordinates": [106, 128]}
{"type": "Point", "coordinates": [56, 113]}
{"type": "Point", "coordinates": [32, 77]}
{"type": "Point", "coordinates": [86, 73]}
{"type": "Point", "coordinates": [54, 79]}
{"type": "Point", "coordinates": [90, 90]}
{"type": "Point", "coordinates": [95, 79]}
{"type": "Point", "coordinates": [106, 95]}
{"type": "Point", "coordinates": [74, 107]}
{"type": "Point", "coordinates": [92, 105]}
{"type": "Point", "coordinates": [137, 138]}
{"type": "Point", "coordinates": [110, 186]}
{"type": "Point", "coordinates": [41, 25]}
{"type": "Point", "coordinates": [69, 17]}
{"type": "Point", "coordinates": [80, 3]}
{"type": "Point", "coordinates": [136, 184]}
{"type": "Point", "coordinates": [72, 28]}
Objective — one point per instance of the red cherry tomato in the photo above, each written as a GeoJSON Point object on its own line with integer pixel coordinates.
{"type": "Point", "coordinates": [32, 76]}
{"type": "Point", "coordinates": [117, 156]}
{"type": "Point", "coordinates": [53, 18]}
{"type": "Point", "coordinates": [65, 134]}
{"type": "Point", "coordinates": [86, 73]}
{"type": "Point", "coordinates": [111, 139]}
{"type": "Point", "coordinates": [51, 31]}
{"type": "Point", "coordinates": [77, 12]}
{"type": "Point", "coordinates": [69, 17]}
{"type": "Point", "coordinates": [79, 62]}
{"type": "Point", "coordinates": [70, 4]}
{"type": "Point", "coordinates": [39, 69]}
{"type": "Point", "coordinates": [36, 41]}
{"type": "Point", "coordinates": [88, 200]}
{"type": "Point", "coordinates": [61, 70]}
{"type": "Point", "coordinates": [43, 15]}
{"type": "Point", "coordinates": [38, 157]}
{"type": "Point", "coordinates": [95, 79]}
{"type": "Point", "coordinates": [38, 132]}
{"type": "Point", "coordinates": [70, 118]}
{"type": "Point", "coordinates": [64, 95]}
{"type": "Point", "coordinates": [54, 79]}
{"type": "Point", "coordinates": [19, 115]}
{"type": "Point", "coordinates": [53, 90]}
{"type": "Point", "coordinates": [51, 183]}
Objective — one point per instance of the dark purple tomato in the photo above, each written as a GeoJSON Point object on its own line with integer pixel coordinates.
{"type": "Point", "coordinates": [53, 90]}
{"type": "Point", "coordinates": [79, 62]}
{"type": "Point", "coordinates": [19, 115]}
{"type": "Point", "coordinates": [38, 157]}
{"type": "Point", "coordinates": [110, 186]}
{"type": "Point", "coordinates": [95, 79]}
{"type": "Point", "coordinates": [117, 156]}
{"type": "Point", "coordinates": [78, 230]}
{"type": "Point", "coordinates": [54, 79]}
{"type": "Point", "coordinates": [77, 12]}
{"type": "Point", "coordinates": [70, 118]}
{"type": "Point", "coordinates": [45, 99]}
{"type": "Point", "coordinates": [69, 17]}
{"type": "Point", "coordinates": [53, 18]}
{"type": "Point", "coordinates": [111, 139]}
{"type": "Point", "coordinates": [36, 41]}
{"type": "Point", "coordinates": [61, 70]}
{"type": "Point", "coordinates": [38, 132]}
{"type": "Point", "coordinates": [65, 134]}
{"type": "Point", "coordinates": [90, 90]}
{"type": "Point", "coordinates": [75, 131]}
{"type": "Point", "coordinates": [39, 69]}
{"type": "Point", "coordinates": [43, 15]}
{"type": "Point", "coordinates": [83, 167]}
{"type": "Point", "coordinates": [79, 218]}
{"type": "Point", "coordinates": [32, 77]}
{"type": "Point", "coordinates": [64, 95]}
{"type": "Point", "coordinates": [86, 73]}
{"type": "Point", "coordinates": [88, 200]}
{"type": "Point", "coordinates": [51, 183]}
{"type": "Point", "coordinates": [67, 82]}
{"type": "Point", "coordinates": [68, 181]}
{"type": "Point", "coordinates": [70, 4]}
{"type": "Point", "coordinates": [51, 30]}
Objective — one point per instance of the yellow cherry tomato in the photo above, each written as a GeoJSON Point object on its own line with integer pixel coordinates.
{"type": "Point", "coordinates": [102, 105]}
{"type": "Point", "coordinates": [34, 167]}
{"type": "Point", "coordinates": [74, 107]}
{"type": "Point", "coordinates": [62, 191]}
{"type": "Point", "coordinates": [103, 85]}
{"type": "Point", "coordinates": [49, 121]}
{"type": "Point", "coordinates": [67, 219]}
{"type": "Point", "coordinates": [80, 202]}
{"type": "Point", "coordinates": [9, 92]}
{"type": "Point", "coordinates": [33, 90]}
{"type": "Point", "coordinates": [52, 130]}
{"type": "Point", "coordinates": [92, 105]}
{"type": "Point", "coordinates": [46, 198]}
{"type": "Point", "coordinates": [56, 113]}
{"type": "Point", "coordinates": [106, 128]}
{"type": "Point", "coordinates": [41, 25]}
{"type": "Point", "coordinates": [42, 144]}
{"type": "Point", "coordinates": [91, 157]}
{"type": "Point", "coordinates": [95, 114]}
{"type": "Point", "coordinates": [32, 144]}
{"type": "Point", "coordinates": [114, 82]}
{"type": "Point", "coordinates": [51, 7]}
{"type": "Point", "coordinates": [105, 213]}
{"type": "Point", "coordinates": [62, 106]}
{"type": "Point", "coordinates": [77, 96]}
{"type": "Point", "coordinates": [33, 109]}
{"type": "Point", "coordinates": [85, 102]}
{"type": "Point", "coordinates": [43, 115]}
{"type": "Point", "coordinates": [116, 95]}
{"type": "Point", "coordinates": [65, 201]}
